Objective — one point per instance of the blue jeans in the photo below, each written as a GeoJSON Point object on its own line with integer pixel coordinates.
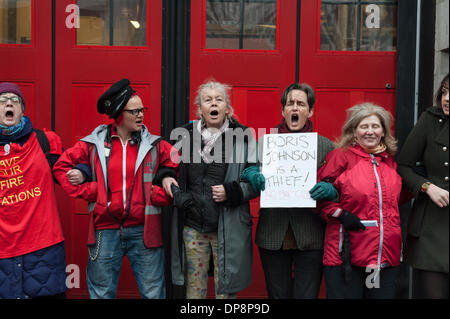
{"type": "Point", "coordinates": [105, 261]}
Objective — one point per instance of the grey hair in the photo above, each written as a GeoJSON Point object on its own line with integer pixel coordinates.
{"type": "Point", "coordinates": [214, 85]}
{"type": "Point", "coordinates": [356, 114]}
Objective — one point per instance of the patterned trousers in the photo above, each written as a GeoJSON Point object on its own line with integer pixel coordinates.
{"type": "Point", "coordinates": [198, 250]}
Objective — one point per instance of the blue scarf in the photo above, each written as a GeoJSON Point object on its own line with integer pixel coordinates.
{"type": "Point", "coordinates": [12, 133]}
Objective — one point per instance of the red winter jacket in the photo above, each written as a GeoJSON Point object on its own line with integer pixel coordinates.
{"type": "Point", "coordinates": [369, 187]}
{"type": "Point", "coordinates": [146, 197]}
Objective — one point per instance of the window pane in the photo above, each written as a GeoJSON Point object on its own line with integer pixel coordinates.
{"type": "Point", "coordinates": [112, 22]}
{"type": "Point", "coordinates": [381, 34]}
{"type": "Point", "coordinates": [375, 31]}
{"type": "Point", "coordinates": [338, 29]}
{"type": "Point", "coordinates": [15, 21]}
{"type": "Point", "coordinates": [241, 24]}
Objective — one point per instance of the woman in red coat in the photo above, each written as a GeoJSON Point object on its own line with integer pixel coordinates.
{"type": "Point", "coordinates": [363, 238]}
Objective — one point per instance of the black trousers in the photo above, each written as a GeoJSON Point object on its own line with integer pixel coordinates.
{"type": "Point", "coordinates": [292, 274]}
{"type": "Point", "coordinates": [363, 284]}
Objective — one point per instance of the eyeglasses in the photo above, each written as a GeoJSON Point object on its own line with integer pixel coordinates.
{"type": "Point", "coordinates": [14, 100]}
{"type": "Point", "coordinates": [136, 112]}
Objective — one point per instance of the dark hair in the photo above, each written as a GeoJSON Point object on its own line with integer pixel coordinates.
{"type": "Point", "coordinates": [311, 96]}
{"type": "Point", "coordinates": [444, 84]}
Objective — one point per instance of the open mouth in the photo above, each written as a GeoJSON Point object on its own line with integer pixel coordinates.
{"type": "Point", "coordinates": [294, 118]}
{"type": "Point", "coordinates": [214, 113]}
{"type": "Point", "coordinates": [9, 114]}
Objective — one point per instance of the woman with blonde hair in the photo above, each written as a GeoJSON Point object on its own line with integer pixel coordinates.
{"type": "Point", "coordinates": [357, 114]}
{"type": "Point", "coordinates": [363, 244]}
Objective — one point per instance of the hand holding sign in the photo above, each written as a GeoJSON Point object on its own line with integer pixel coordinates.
{"type": "Point", "coordinates": [254, 177]}
{"type": "Point", "coordinates": [290, 169]}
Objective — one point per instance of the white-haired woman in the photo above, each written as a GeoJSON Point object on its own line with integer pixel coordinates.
{"type": "Point", "coordinates": [363, 237]}
{"type": "Point", "coordinates": [212, 204]}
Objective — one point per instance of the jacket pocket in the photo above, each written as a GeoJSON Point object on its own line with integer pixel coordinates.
{"type": "Point", "coordinates": [245, 218]}
{"type": "Point", "coordinates": [416, 218]}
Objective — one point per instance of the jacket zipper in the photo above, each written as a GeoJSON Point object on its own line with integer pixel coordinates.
{"type": "Point", "coordinates": [380, 198]}
{"type": "Point", "coordinates": [124, 175]}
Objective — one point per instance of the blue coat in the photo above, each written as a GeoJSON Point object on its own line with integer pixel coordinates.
{"type": "Point", "coordinates": [40, 273]}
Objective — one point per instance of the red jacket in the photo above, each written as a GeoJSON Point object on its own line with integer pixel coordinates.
{"type": "Point", "coordinates": [369, 187]}
{"type": "Point", "coordinates": [146, 198]}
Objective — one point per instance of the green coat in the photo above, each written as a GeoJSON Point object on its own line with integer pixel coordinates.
{"type": "Point", "coordinates": [428, 226]}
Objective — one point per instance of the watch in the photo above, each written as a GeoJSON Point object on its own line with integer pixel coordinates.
{"type": "Point", "coordinates": [425, 186]}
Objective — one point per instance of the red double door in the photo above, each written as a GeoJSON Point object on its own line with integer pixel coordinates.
{"type": "Point", "coordinates": [81, 70]}
{"type": "Point", "coordinates": [258, 77]}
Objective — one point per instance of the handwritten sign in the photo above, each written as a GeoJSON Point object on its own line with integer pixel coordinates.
{"type": "Point", "coordinates": [290, 168]}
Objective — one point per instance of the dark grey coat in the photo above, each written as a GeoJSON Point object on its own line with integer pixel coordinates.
{"type": "Point", "coordinates": [306, 224]}
{"type": "Point", "coordinates": [234, 227]}
{"type": "Point", "coordinates": [427, 241]}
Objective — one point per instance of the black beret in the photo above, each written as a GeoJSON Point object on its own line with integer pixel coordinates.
{"type": "Point", "coordinates": [115, 98]}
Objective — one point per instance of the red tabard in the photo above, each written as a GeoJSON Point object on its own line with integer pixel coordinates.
{"type": "Point", "coordinates": [29, 220]}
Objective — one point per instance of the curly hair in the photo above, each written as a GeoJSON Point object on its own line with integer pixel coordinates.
{"type": "Point", "coordinates": [356, 114]}
{"type": "Point", "coordinates": [214, 85]}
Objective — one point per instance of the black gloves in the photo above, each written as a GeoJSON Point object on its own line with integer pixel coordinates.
{"type": "Point", "coordinates": [350, 221]}
{"type": "Point", "coordinates": [181, 200]}
{"type": "Point", "coordinates": [346, 256]}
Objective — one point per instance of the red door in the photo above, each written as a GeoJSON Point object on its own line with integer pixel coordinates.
{"type": "Point", "coordinates": [116, 39]}
{"type": "Point", "coordinates": [251, 46]}
{"type": "Point", "coordinates": [346, 52]}
{"type": "Point", "coordinates": [26, 54]}
{"type": "Point", "coordinates": [348, 55]}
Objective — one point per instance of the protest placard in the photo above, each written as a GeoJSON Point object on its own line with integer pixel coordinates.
{"type": "Point", "coordinates": [289, 164]}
